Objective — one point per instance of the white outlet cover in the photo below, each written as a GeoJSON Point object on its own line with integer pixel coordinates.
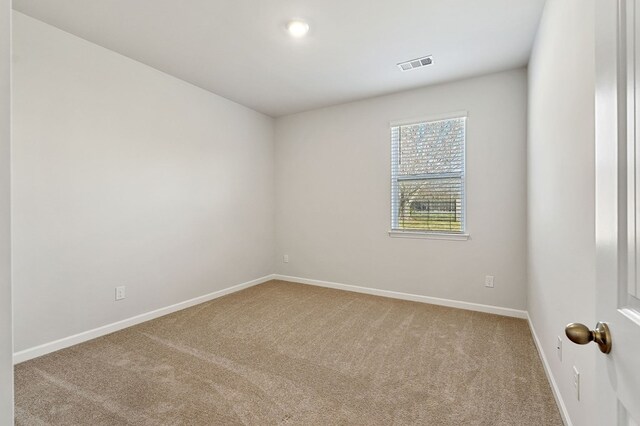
{"type": "Point", "coordinates": [559, 348]}
{"type": "Point", "coordinates": [488, 281]}
{"type": "Point", "coordinates": [576, 382]}
{"type": "Point", "coordinates": [120, 293]}
{"type": "Point", "coordinates": [285, 258]}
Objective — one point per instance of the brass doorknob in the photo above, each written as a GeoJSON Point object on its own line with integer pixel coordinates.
{"type": "Point", "coordinates": [580, 334]}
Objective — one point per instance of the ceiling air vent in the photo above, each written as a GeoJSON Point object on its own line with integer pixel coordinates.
{"type": "Point", "coordinates": [415, 63]}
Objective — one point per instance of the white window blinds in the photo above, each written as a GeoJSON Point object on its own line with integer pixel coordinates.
{"type": "Point", "coordinates": [427, 176]}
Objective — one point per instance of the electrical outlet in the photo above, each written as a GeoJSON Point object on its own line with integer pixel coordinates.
{"type": "Point", "coordinates": [576, 382]}
{"type": "Point", "coordinates": [559, 348]}
{"type": "Point", "coordinates": [285, 258]}
{"type": "Point", "coordinates": [120, 293]}
{"type": "Point", "coordinates": [488, 281]}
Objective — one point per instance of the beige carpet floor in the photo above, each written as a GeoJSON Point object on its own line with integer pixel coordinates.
{"type": "Point", "coordinates": [284, 353]}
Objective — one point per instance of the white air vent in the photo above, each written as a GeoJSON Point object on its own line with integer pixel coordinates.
{"type": "Point", "coordinates": [415, 63]}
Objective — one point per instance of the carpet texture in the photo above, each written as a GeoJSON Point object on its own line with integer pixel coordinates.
{"type": "Point", "coordinates": [284, 353]}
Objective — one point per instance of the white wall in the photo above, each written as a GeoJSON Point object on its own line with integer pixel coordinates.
{"type": "Point", "coordinates": [123, 175]}
{"type": "Point", "coordinates": [333, 195]}
{"type": "Point", "coordinates": [6, 344]}
{"type": "Point", "coordinates": [561, 188]}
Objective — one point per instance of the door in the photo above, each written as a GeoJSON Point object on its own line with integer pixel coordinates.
{"type": "Point", "coordinates": [617, 39]}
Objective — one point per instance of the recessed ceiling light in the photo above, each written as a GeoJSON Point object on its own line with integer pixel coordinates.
{"type": "Point", "coordinates": [297, 28]}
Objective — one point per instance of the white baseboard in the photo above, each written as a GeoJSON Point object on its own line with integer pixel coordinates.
{"type": "Point", "coordinates": [65, 342]}
{"type": "Point", "coordinates": [547, 369]}
{"type": "Point", "coordinates": [406, 296]}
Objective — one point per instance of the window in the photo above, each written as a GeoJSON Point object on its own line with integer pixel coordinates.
{"type": "Point", "coordinates": [427, 176]}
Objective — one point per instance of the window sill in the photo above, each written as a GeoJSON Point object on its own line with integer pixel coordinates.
{"type": "Point", "coordinates": [429, 235]}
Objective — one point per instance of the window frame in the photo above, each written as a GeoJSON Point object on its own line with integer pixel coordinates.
{"type": "Point", "coordinates": [429, 234]}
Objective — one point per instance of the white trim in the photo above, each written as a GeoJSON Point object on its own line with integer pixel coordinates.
{"type": "Point", "coordinates": [564, 413]}
{"type": "Point", "coordinates": [435, 117]}
{"type": "Point", "coordinates": [65, 342]}
{"type": "Point", "coordinates": [498, 310]}
{"type": "Point", "coordinates": [429, 235]}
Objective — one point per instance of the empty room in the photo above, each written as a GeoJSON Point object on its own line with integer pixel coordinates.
{"type": "Point", "coordinates": [244, 212]}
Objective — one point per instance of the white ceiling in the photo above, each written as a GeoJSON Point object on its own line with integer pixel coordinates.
{"type": "Point", "coordinates": [239, 49]}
